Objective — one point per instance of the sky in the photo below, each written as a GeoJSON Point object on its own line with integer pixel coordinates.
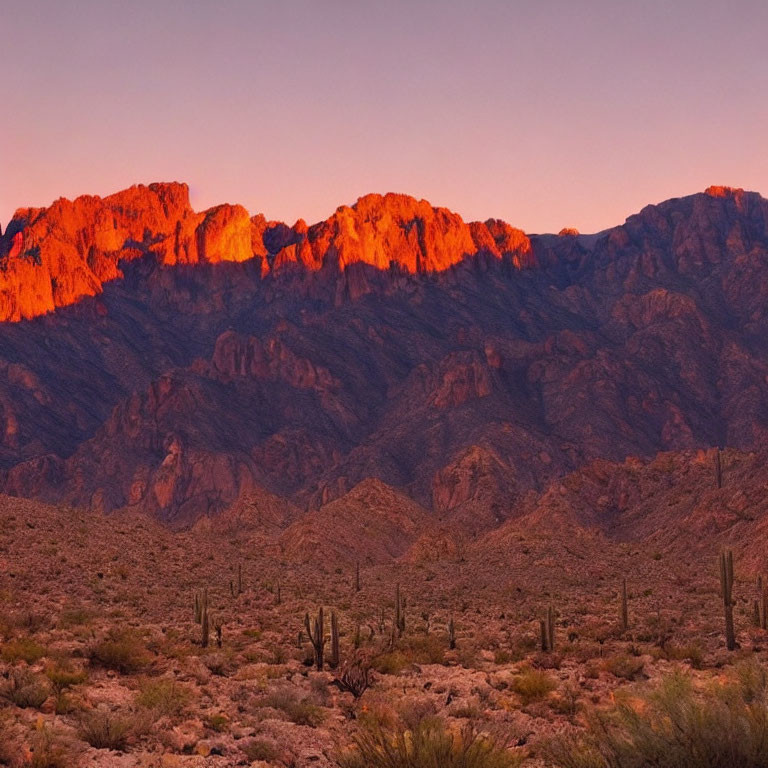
{"type": "Point", "coordinates": [544, 113]}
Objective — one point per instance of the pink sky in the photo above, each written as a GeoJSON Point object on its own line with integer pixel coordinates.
{"type": "Point", "coordinates": [546, 114]}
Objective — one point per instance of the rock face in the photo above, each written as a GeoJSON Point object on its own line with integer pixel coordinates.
{"type": "Point", "coordinates": [177, 362]}
{"type": "Point", "coordinates": [51, 257]}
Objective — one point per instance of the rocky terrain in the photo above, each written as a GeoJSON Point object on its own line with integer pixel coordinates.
{"type": "Point", "coordinates": [103, 664]}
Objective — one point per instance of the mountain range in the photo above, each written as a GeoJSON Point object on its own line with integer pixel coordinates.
{"type": "Point", "coordinates": [215, 366]}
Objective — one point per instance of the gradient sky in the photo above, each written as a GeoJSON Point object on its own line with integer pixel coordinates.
{"type": "Point", "coordinates": [543, 113]}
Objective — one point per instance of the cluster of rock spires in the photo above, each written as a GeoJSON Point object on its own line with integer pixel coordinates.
{"type": "Point", "coordinates": [52, 257]}
{"type": "Point", "coordinates": [181, 363]}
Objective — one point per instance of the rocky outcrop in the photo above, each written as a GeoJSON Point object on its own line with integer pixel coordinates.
{"type": "Point", "coordinates": [372, 524]}
{"type": "Point", "coordinates": [52, 257]}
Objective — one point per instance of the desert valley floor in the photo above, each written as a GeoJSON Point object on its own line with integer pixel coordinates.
{"type": "Point", "coordinates": [102, 662]}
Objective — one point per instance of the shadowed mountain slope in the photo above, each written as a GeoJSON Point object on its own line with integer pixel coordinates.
{"type": "Point", "coordinates": [172, 361]}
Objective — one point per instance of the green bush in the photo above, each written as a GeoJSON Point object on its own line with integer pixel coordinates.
{"type": "Point", "coordinates": [22, 649]}
{"type": "Point", "coordinates": [692, 653]}
{"type": "Point", "coordinates": [217, 722]}
{"type": "Point", "coordinates": [63, 676]}
{"type": "Point", "coordinates": [163, 696]}
{"type": "Point", "coordinates": [122, 650]}
{"type": "Point", "coordinates": [429, 744]}
{"type": "Point", "coordinates": [676, 725]}
{"type": "Point", "coordinates": [427, 649]}
{"type": "Point", "coordinates": [532, 685]}
{"type": "Point", "coordinates": [392, 663]}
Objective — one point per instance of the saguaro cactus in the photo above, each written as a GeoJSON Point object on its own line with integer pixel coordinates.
{"type": "Point", "coordinates": [334, 661]}
{"type": "Point", "coordinates": [357, 576]}
{"type": "Point", "coordinates": [451, 634]}
{"type": "Point", "coordinates": [726, 587]}
{"type": "Point", "coordinates": [204, 623]}
{"type": "Point", "coordinates": [624, 606]}
{"type": "Point", "coordinates": [762, 596]}
{"type": "Point", "coordinates": [399, 611]}
{"type": "Point", "coordinates": [316, 633]}
{"type": "Point", "coordinates": [547, 628]}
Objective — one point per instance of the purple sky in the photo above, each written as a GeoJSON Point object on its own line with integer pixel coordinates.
{"type": "Point", "coordinates": [546, 114]}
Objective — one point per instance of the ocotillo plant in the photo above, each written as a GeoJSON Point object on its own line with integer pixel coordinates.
{"type": "Point", "coordinates": [355, 678]}
{"type": "Point", "coordinates": [239, 578]}
{"type": "Point", "coordinates": [198, 608]}
{"type": "Point", "coordinates": [718, 469]}
{"type": "Point", "coordinates": [726, 587]}
{"type": "Point", "coordinates": [624, 607]}
{"type": "Point", "coordinates": [334, 660]}
{"type": "Point", "coordinates": [317, 636]}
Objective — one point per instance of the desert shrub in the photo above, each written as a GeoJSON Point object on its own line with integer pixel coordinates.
{"type": "Point", "coordinates": [298, 710]}
{"type": "Point", "coordinates": [503, 656]}
{"type": "Point", "coordinates": [392, 663]}
{"type": "Point", "coordinates": [624, 666]}
{"type": "Point", "coordinates": [29, 621]}
{"type": "Point", "coordinates": [50, 750]}
{"type": "Point", "coordinates": [24, 688]}
{"type": "Point", "coordinates": [63, 676]}
{"type": "Point", "coordinates": [163, 696]}
{"type": "Point", "coordinates": [467, 710]}
{"type": "Point", "coordinates": [532, 685]}
{"type": "Point", "coordinates": [22, 649]}
{"type": "Point", "coordinates": [218, 664]}
{"type": "Point", "coordinates": [75, 617]}
{"type": "Point", "coordinates": [692, 653]}
{"type": "Point", "coordinates": [260, 749]}
{"type": "Point", "coordinates": [427, 649]}
{"type": "Point", "coordinates": [676, 725]}
{"type": "Point", "coordinates": [217, 722]}
{"type": "Point", "coordinates": [468, 655]}
{"type": "Point", "coordinates": [122, 650]}
{"type": "Point", "coordinates": [106, 729]}
{"type": "Point", "coordinates": [428, 744]}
